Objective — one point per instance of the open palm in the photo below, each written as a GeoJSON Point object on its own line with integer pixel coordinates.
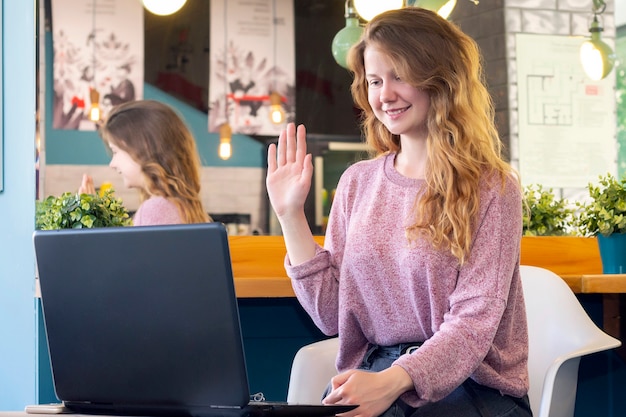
{"type": "Point", "coordinates": [289, 171]}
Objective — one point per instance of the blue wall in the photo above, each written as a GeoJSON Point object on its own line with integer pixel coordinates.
{"type": "Point", "coordinates": [17, 208]}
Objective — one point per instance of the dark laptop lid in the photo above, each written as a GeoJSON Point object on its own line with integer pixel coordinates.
{"type": "Point", "coordinates": [143, 315]}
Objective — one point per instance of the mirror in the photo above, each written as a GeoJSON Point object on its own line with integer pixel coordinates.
{"type": "Point", "coordinates": [176, 64]}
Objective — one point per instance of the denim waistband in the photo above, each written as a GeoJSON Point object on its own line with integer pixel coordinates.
{"type": "Point", "coordinates": [395, 351]}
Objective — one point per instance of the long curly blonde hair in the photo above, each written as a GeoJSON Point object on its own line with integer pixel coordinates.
{"type": "Point", "coordinates": [159, 141]}
{"type": "Point", "coordinates": [463, 145]}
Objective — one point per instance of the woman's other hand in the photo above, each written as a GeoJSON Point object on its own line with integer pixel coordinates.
{"type": "Point", "coordinates": [374, 392]}
{"type": "Point", "coordinates": [86, 186]}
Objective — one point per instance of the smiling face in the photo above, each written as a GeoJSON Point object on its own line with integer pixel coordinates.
{"type": "Point", "coordinates": [130, 170]}
{"type": "Point", "coordinates": [401, 107]}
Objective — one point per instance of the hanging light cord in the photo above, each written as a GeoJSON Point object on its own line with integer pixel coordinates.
{"type": "Point", "coordinates": [93, 44]}
{"type": "Point", "coordinates": [225, 63]}
{"type": "Point", "coordinates": [275, 42]}
{"type": "Point", "coordinates": [599, 6]}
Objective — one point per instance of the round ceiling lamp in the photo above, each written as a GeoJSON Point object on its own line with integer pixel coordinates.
{"type": "Point", "coordinates": [596, 56]}
{"type": "Point", "coordinates": [163, 7]}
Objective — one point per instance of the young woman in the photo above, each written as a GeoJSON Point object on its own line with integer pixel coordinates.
{"type": "Point", "coordinates": [155, 152]}
{"type": "Point", "coordinates": [419, 273]}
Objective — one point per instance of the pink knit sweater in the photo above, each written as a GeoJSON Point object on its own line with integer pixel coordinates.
{"type": "Point", "coordinates": [370, 286]}
{"type": "Point", "coordinates": [157, 210]}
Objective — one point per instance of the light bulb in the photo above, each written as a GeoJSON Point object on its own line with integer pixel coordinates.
{"type": "Point", "coordinates": [94, 111]}
{"type": "Point", "coordinates": [597, 58]}
{"type": "Point", "coordinates": [225, 149]}
{"type": "Point", "coordinates": [163, 7]}
{"type": "Point", "coordinates": [367, 9]}
{"type": "Point", "coordinates": [277, 113]}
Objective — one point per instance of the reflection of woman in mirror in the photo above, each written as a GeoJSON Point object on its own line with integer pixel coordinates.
{"type": "Point", "coordinates": [155, 153]}
{"type": "Point", "coordinates": [124, 90]}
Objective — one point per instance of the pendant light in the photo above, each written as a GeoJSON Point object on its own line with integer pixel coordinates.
{"type": "Point", "coordinates": [94, 95]}
{"type": "Point", "coordinates": [597, 58]}
{"type": "Point", "coordinates": [348, 36]}
{"type": "Point", "coordinates": [225, 149]}
{"type": "Point", "coordinates": [163, 7]}
{"type": "Point", "coordinates": [277, 113]}
{"type": "Point", "coordinates": [94, 111]}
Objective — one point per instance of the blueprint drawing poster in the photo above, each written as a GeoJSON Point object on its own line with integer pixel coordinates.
{"type": "Point", "coordinates": [567, 122]}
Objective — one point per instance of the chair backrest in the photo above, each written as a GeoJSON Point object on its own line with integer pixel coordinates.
{"type": "Point", "coordinates": [559, 332]}
{"type": "Point", "coordinates": [311, 371]}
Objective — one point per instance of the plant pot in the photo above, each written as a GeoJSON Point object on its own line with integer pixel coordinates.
{"type": "Point", "coordinates": [613, 253]}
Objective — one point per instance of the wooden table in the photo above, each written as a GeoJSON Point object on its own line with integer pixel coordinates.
{"type": "Point", "coordinates": [258, 264]}
{"type": "Point", "coordinates": [613, 290]}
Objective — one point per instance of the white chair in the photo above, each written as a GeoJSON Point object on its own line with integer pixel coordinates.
{"type": "Point", "coordinates": [311, 371]}
{"type": "Point", "coordinates": [559, 332]}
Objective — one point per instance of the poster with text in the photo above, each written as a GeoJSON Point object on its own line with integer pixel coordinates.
{"type": "Point", "coordinates": [567, 125]}
{"type": "Point", "coordinates": [252, 56]}
{"type": "Point", "coordinates": [98, 54]}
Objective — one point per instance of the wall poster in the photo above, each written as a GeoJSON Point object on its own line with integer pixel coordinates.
{"type": "Point", "coordinates": [567, 125]}
{"type": "Point", "coordinates": [252, 55]}
{"type": "Point", "coordinates": [98, 44]}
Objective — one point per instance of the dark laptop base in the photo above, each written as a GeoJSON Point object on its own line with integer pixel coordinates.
{"type": "Point", "coordinates": [254, 409]}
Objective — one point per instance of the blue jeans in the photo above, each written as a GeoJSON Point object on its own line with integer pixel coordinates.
{"type": "Point", "coordinates": [470, 399]}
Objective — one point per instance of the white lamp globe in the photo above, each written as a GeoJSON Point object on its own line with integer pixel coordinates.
{"type": "Point", "coordinates": [367, 9]}
{"type": "Point", "coordinates": [163, 7]}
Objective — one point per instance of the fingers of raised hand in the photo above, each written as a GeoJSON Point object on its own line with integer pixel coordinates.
{"type": "Point", "coordinates": [291, 146]}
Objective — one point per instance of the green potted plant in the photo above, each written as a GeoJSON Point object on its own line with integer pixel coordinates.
{"type": "Point", "coordinates": [604, 216]}
{"type": "Point", "coordinates": [545, 214]}
{"type": "Point", "coordinates": [73, 210]}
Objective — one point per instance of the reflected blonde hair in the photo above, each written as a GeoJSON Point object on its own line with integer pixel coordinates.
{"type": "Point", "coordinates": [463, 145]}
{"type": "Point", "coordinates": [160, 142]}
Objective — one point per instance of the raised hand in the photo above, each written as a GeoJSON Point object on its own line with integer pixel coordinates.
{"type": "Point", "coordinates": [289, 172]}
{"type": "Point", "coordinates": [87, 186]}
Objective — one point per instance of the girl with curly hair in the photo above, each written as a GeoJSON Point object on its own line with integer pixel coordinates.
{"type": "Point", "coordinates": [419, 272]}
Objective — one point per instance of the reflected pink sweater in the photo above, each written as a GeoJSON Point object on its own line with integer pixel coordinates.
{"type": "Point", "coordinates": [370, 286]}
{"type": "Point", "coordinates": [157, 210]}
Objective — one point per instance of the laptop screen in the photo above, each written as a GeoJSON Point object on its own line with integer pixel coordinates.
{"type": "Point", "coordinates": [142, 315]}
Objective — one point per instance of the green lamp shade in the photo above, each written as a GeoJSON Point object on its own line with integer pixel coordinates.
{"type": "Point", "coordinates": [344, 39]}
{"type": "Point", "coordinates": [596, 57]}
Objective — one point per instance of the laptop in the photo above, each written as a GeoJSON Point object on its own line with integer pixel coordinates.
{"type": "Point", "coordinates": [144, 320]}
